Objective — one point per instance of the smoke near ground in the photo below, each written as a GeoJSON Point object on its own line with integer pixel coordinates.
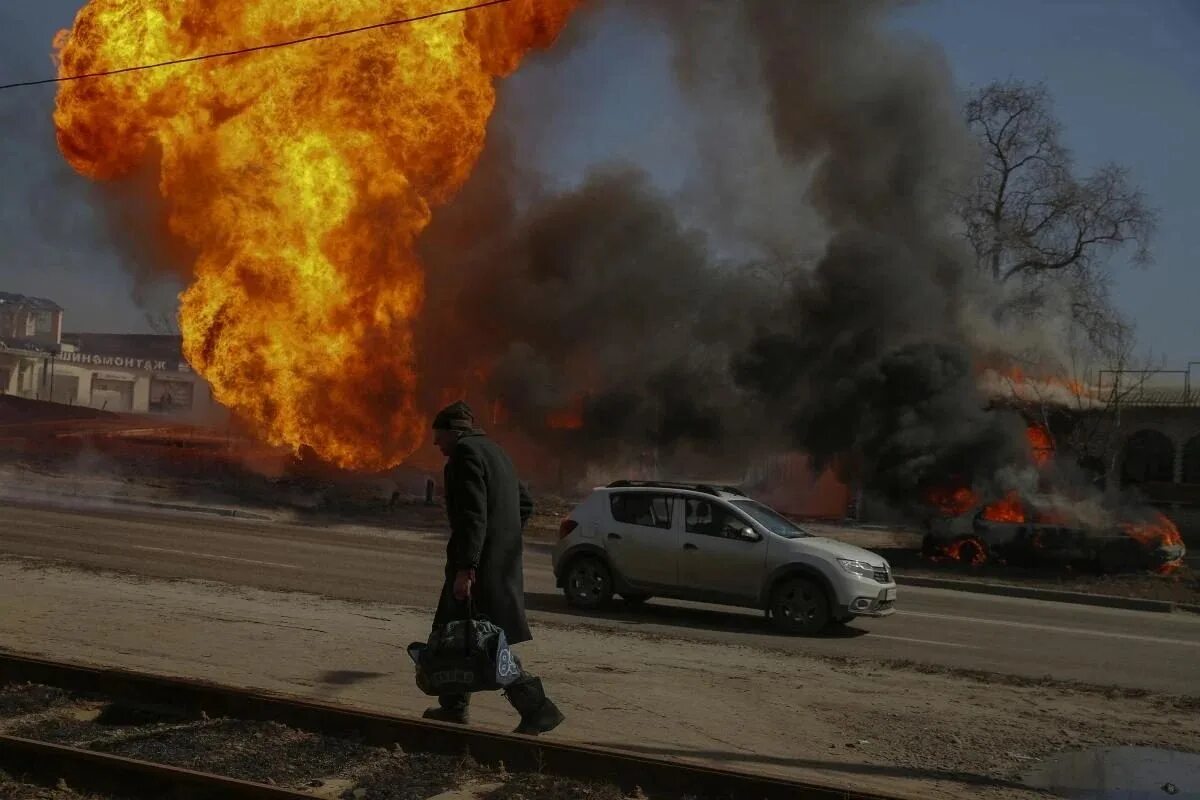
{"type": "Point", "coordinates": [876, 361]}
{"type": "Point", "coordinates": [612, 293]}
{"type": "Point", "coordinates": [803, 289]}
{"type": "Point", "coordinates": [601, 304]}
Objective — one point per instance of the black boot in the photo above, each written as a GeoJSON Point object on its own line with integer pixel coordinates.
{"type": "Point", "coordinates": [451, 708]}
{"type": "Point", "coordinates": [538, 712]}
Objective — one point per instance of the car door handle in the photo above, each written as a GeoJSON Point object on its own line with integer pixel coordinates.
{"type": "Point", "coordinates": [614, 536]}
{"type": "Point", "coordinates": [690, 547]}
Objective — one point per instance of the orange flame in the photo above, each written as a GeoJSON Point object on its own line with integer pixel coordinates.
{"type": "Point", "coordinates": [302, 177]}
{"type": "Point", "coordinates": [951, 502]}
{"type": "Point", "coordinates": [1040, 444]}
{"type": "Point", "coordinates": [1159, 531]}
{"type": "Point", "coordinates": [969, 550]}
{"type": "Point", "coordinates": [1012, 380]}
{"type": "Point", "coordinates": [567, 419]}
{"type": "Point", "coordinates": [1007, 509]}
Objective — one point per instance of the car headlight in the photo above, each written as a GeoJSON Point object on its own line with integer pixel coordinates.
{"type": "Point", "coordinates": [857, 567]}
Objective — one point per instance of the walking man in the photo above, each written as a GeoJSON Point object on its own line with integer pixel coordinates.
{"type": "Point", "coordinates": [488, 509]}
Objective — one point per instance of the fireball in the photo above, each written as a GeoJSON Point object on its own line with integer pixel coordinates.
{"type": "Point", "coordinates": [301, 176]}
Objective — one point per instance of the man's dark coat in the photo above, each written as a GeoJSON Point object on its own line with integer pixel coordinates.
{"type": "Point", "coordinates": [488, 508]}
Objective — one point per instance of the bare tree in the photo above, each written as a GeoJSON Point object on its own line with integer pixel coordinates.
{"type": "Point", "coordinates": [780, 270]}
{"type": "Point", "coordinates": [1028, 215]}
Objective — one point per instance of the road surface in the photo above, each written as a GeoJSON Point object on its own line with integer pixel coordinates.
{"type": "Point", "coordinates": [1130, 649]}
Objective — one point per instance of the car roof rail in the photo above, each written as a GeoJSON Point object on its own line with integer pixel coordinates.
{"type": "Point", "coordinates": [706, 488]}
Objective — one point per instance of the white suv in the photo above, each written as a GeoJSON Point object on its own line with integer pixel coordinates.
{"type": "Point", "coordinates": [713, 544]}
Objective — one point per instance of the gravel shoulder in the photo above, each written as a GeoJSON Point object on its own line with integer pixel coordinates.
{"type": "Point", "coordinates": [881, 725]}
{"type": "Point", "coordinates": [263, 752]}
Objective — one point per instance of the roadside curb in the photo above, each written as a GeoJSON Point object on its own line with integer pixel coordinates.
{"type": "Point", "coordinates": [57, 499]}
{"type": "Point", "coordinates": [220, 512]}
{"type": "Point", "coordinates": [1055, 595]}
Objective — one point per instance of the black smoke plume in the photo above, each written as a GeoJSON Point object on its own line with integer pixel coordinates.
{"type": "Point", "coordinates": [603, 291]}
{"type": "Point", "coordinates": [598, 300]}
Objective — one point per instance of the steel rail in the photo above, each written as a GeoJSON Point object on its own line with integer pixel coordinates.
{"type": "Point", "coordinates": [654, 775]}
{"type": "Point", "coordinates": [93, 771]}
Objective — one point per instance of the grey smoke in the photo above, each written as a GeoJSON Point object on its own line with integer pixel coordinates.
{"type": "Point", "coordinates": [857, 146]}
{"type": "Point", "coordinates": [873, 361]}
{"type": "Point", "coordinates": [600, 293]}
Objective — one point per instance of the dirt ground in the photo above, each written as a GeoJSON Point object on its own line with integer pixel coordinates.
{"type": "Point", "coordinates": [885, 726]}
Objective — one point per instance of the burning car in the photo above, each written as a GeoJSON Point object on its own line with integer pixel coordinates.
{"type": "Point", "coordinates": [1042, 530]}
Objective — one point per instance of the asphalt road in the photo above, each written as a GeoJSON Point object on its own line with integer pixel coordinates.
{"type": "Point", "coordinates": [1030, 638]}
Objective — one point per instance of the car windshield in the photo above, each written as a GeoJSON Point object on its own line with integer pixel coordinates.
{"type": "Point", "coordinates": [770, 519]}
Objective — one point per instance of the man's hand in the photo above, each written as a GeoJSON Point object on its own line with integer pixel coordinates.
{"type": "Point", "coordinates": [463, 581]}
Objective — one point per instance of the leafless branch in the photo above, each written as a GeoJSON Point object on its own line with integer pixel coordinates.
{"type": "Point", "coordinates": [1029, 214]}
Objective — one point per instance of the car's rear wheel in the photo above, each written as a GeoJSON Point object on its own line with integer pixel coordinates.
{"type": "Point", "coordinates": [800, 605]}
{"type": "Point", "coordinates": [972, 551]}
{"type": "Point", "coordinates": [588, 583]}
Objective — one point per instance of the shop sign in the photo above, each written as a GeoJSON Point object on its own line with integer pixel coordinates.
{"type": "Point", "coordinates": [128, 362]}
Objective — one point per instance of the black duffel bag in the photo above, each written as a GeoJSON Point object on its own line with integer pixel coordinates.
{"type": "Point", "coordinates": [466, 655]}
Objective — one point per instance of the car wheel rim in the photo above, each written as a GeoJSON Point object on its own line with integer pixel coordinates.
{"type": "Point", "coordinates": [587, 583]}
{"type": "Point", "coordinates": [799, 604]}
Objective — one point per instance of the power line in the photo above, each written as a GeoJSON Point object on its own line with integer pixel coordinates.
{"type": "Point", "coordinates": [256, 48]}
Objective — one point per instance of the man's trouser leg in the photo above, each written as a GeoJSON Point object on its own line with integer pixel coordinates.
{"type": "Point", "coordinates": [528, 697]}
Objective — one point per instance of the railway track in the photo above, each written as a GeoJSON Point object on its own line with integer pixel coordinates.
{"type": "Point", "coordinates": [55, 765]}
{"type": "Point", "coordinates": [126, 777]}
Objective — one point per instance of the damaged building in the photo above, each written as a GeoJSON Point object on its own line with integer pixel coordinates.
{"type": "Point", "coordinates": [131, 373]}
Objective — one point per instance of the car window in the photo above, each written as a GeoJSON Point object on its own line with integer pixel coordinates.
{"type": "Point", "coordinates": [770, 519]}
{"type": "Point", "coordinates": [712, 519]}
{"type": "Point", "coordinates": [642, 508]}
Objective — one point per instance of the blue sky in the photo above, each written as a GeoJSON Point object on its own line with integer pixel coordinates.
{"type": "Point", "coordinates": [1125, 77]}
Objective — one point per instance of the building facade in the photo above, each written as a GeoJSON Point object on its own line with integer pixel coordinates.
{"type": "Point", "coordinates": [1156, 439]}
{"type": "Point", "coordinates": [29, 320]}
{"type": "Point", "coordinates": [124, 373]}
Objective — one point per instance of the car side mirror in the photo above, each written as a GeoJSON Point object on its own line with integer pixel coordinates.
{"type": "Point", "coordinates": [748, 534]}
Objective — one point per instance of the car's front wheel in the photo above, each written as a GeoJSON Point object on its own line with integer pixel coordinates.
{"type": "Point", "coordinates": [800, 605]}
{"type": "Point", "coordinates": [589, 583]}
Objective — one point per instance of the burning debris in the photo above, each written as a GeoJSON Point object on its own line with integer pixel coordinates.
{"type": "Point", "coordinates": [1157, 534]}
{"type": "Point", "coordinates": [1062, 525]}
{"type": "Point", "coordinates": [1014, 383]}
{"type": "Point", "coordinates": [1017, 531]}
